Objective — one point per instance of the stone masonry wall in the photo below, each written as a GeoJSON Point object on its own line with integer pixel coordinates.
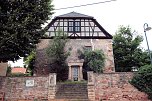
{"type": "Point", "coordinates": [74, 45]}
{"type": "Point", "coordinates": [115, 87]}
{"type": "Point", "coordinates": [97, 44]}
{"type": "Point", "coordinates": [101, 87]}
{"type": "Point", "coordinates": [15, 88]}
{"type": "Point", "coordinates": [3, 69]}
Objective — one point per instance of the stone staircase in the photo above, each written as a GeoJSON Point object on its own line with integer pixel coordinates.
{"type": "Point", "coordinates": [72, 92]}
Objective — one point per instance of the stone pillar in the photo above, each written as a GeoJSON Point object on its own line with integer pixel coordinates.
{"type": "Point", "coordinates": [70, 74]}
{"type": "Point", "coordinates": [109, 65]}
{"type": "Point", "coordinates": [81, 73]}
{"type": "Point", "coordinates": [91, 89]}
{"type": "Point", "coordinates": [3, 68]}
{"type": "Point", "coordinates": [52, 86]}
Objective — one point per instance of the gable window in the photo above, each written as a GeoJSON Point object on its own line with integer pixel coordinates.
{"type": "Point", "coordinates": [74, 26]}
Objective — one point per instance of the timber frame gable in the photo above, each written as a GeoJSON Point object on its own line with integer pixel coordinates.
{"type": "Point", "coordinates": [76, 26]}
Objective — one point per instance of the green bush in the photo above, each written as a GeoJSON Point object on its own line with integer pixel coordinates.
{"type": "Point", "coordinates": [143, 80]}
{"type": "Point", "coordinates": [30, 61]}
{"type": "Point", "coordinates": [74, 82]}
{"type": "Point", "coordinates": [18, 75]}
{"type": "Point", "coordinates": [93, 60]}
{"type": "Point", "coordinates": [9, 69]}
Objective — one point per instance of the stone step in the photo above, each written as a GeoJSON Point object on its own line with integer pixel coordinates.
{"type": "Point", "coordinates": [69, 92]}
{"type": "Point", "coordinates": [73, 95]}
{"type": "Point", "coordinates": [71, 85]}
{"type": "Point", "coordinates": [70, 100]}
{"type": "Point", "coordinates": [72, 92]}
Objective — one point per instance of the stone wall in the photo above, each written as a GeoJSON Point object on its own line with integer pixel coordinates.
{"type": "Point", "coordinates": [115, 87]}
{"type": "Point", "coordinates": [3, 69]}
{"type": "Point", "coordinates": [101, 87]}
{"type": "Point", "coordinates": [96, 44]}
{"type": "Point", "coordinates": [15, 88]}
{"type": "Point", "coordinates": [74, 45]}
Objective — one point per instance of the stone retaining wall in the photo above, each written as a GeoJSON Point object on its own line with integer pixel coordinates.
{"type": "Point", "coordinates": [101, 87]}
{"type": "Point", "coordinates": [16, 88]}
{"type": "Point", "coordinates": [115, 87]}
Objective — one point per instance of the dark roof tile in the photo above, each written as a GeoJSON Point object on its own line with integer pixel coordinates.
{"type": "Point", "coordinates": [74, 14]}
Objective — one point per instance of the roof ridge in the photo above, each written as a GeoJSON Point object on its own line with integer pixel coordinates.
{"type": "Point", "coordinates": [74, 14]}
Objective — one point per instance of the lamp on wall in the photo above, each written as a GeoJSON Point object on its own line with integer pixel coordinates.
{"type": "Point", "coordinates": [147, 28]}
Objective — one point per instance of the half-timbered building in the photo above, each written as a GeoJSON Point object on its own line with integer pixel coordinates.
{"type": "Point", "coordinates": [83, 31]}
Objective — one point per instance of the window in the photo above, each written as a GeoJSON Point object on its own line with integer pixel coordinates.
{"type": "Point", "coordinates": [74, 26]}
{"type": "Point", "coordinates": [70, 26]}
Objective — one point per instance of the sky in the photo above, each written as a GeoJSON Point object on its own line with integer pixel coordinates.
{"type": "Point", "coordinates": [111, 15]}
{"type": "Point", "coordinates": [17, 63]}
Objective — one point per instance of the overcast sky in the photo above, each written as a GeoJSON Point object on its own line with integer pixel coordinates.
{"type": "Point", "coordinates": [113, 14]}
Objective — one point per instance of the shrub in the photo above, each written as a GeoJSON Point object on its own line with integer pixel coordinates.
{"type": "Point", "coordinates": [143, 80]}
{"type": "Point", "coordinates": [30, 61]}
{"type": "Point", "coordinates": [9, 69]}
{"type": "Point", "coordinates": [93, 60]}
{"type": "Point", "coordinates": [18, 75]}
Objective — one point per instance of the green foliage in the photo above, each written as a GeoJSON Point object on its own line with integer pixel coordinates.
{"type": "Point", "coordinates": [127, 53]}
{"type": "Point", "coordinates": [29, 61]}
{"type": "Point", "coordinates": [58, 56]}
{"type": "Point", "coordinates": [18, 75]}
{"type": "Point", "coordinates": [143, 80]}
{"type": "Point", "coordinates": [93, 60]}
{"type": "Point", "coordinates": [21, 26]}
{"type": "Point", "coordinates": [9, 69]}
{"type": "Point", "coordinates": [74, 82]}
{"type": "Point", "coordinates": [141, 58]}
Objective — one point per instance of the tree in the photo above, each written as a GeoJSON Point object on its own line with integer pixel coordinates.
{"type": "Point", "coordinates": [142, 80]}
{"type": "Point", "coordinates": [21, 26]}
{"type": "Point", "coordinates": [127, 53]}
{"type": "Point", "coordinates": [57, 56]}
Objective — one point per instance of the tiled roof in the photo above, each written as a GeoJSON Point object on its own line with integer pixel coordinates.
{"type": "Point", "coordinates": [18, 70]}
{"type": "Point", "coordinates": [74, 14]}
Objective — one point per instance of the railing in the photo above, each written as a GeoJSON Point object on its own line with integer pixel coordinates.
{"type": "Point", "coordinates": [2, 95]}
